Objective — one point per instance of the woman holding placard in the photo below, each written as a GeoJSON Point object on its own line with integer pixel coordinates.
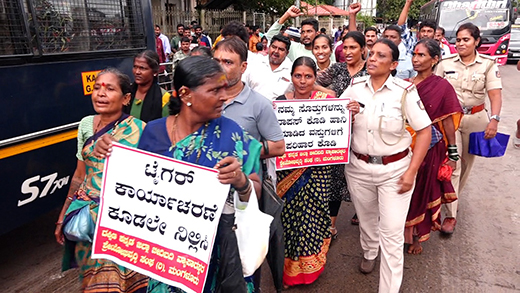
{"type": "Point", "coordinates": [382, 170]}
{"type": "Point", "coordinates": [111, 92]}
{"type": "Point", "coordinates": [306, 192]}
{"type": "Point", "coordinates": [195, 132]}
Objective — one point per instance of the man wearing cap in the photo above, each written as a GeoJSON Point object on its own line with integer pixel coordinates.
{"type": "Point", "coordinates": [293, 34]}
{"type": "Point", "coordinates": [308, 32]}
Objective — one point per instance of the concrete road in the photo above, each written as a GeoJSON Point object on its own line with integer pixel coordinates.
{"type": "Point", "coordinates": [483, 255]}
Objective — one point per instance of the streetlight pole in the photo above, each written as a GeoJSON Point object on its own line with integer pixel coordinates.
{"type": "Point", "coordinates": [297, 20]}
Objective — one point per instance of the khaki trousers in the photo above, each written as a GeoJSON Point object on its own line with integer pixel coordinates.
{"type": "Point", "coordinates": [470, 123]}
{"type": "Point", "coordinates": [382, 215]}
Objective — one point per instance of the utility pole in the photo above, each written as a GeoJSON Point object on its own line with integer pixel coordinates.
{"type": "Point", "coordinates": [297, 20]}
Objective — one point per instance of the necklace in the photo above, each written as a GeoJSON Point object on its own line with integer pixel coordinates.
{"type": "Point", "coordinates": [296, 98]}
{"type": "Point", "coordinates": [98, 125]}
{"type": "Point", "coordinates": [230, 97]}
{"type": "Point", "coordinates": [324, 67]}
{"type": "Point", "coordinates": [358, 68]}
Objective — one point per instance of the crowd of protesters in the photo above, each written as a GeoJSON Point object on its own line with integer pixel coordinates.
{"type": "Point", "coordinates": [413, 101]}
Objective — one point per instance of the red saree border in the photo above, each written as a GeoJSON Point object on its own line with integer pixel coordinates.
{"type": "Point", "coordinates": [285, 184]}
{"type": "Point", "coordinates": [306, 269]}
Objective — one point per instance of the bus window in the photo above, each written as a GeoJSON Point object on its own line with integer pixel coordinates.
{"type": "Point", "coordinates": [64, 26]}
{"type": "Point", "coordinates": [13, 35]}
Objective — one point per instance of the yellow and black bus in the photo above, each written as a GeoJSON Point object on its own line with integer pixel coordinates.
{"type": "Point", "coordinates": [50, 53]}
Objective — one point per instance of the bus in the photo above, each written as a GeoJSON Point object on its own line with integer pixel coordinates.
{"type": "Point", "coordinates": [50, 53]}
{"type": "Point", "coordinates": [493, 17]}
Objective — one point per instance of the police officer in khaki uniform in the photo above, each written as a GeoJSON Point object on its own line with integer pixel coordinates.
{"type": "Point", "coordinates": [382, 169]}
{"type": "Point", "coordinates": [472, 76]}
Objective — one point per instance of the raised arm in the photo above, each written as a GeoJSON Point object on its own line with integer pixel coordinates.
{"type": "Point", "coordinates": [404, 13]}
{"type": "Point", "coordinates": [292, 12]}
{"type": "Point", "coordinates": [353, 9]}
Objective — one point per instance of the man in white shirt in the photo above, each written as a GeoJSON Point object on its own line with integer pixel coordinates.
{"type": "Point", "coordinates": [439, 37]}
{"type": "Point", "coordinates": [165, 42]}
{"type": "Point", "coordinates": [308, 32]}
{"type": "Point", "coordinates": [405, 67]}
{"type": "Point", "coordinates": [271, 76]}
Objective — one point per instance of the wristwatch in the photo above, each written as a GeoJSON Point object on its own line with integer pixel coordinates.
{"type": "Point", "coordinates": [496, 117]}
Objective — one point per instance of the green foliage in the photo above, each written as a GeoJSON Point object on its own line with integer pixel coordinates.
{"type": "Point", "coordinates": [328, 2]}
{"type": "Point", "coordinates": [266, 6]}
{"type": "Point", "coordinates": [390, 10]}
{"type": "Point", "coordinates": [366, 19]}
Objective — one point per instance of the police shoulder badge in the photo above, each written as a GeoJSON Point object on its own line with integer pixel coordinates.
{"type": "Point", "coordinates": [497, 73]}
{"type": "Point", "coordinates": [420, 104]}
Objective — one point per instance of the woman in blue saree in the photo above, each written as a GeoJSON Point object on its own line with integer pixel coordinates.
{"type": "Point", "coordinates": [195, 132]}
{"type": "Point", "coordinates": [111, 92]}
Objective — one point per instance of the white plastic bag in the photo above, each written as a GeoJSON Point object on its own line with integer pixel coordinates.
{"type": "Point", "coordinates": [252, 233]}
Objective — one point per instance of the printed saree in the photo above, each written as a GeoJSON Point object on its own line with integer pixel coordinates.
{"type": "Point", "coordinates": [306, 220]}
{"type": "Point", "coordinates": [440, 101]}
{"type": "Point", "coordinates": [100, 275]}
{"type": "Point", "coordinates": [211, 143]}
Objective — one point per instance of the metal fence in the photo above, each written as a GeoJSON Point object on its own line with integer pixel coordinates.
{"type": "Point", "coordinates": [330, 22]}
{"type": "Point", "coordinates": [210, 20]}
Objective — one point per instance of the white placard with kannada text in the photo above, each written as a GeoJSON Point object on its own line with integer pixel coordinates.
{"type": "Point", "coordinates": [316, 132]}
{"type": "Point", "coordinates": [159, 216]}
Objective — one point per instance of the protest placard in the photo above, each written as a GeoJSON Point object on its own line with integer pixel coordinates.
{"type": "Point", "coordinates": [159, 216]}
{"type": "Point", "coordinates": [316, 132]}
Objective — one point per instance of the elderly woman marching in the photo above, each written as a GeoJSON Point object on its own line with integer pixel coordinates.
{"type": "Point", "coordinates": [381, 174]}
{"type": "Point", "coordinates": [473, 76]}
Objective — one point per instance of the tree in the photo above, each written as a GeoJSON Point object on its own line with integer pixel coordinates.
{"type": "Point", "coordinates": [389, 10]}
{"type": "Point", "coordinates": [368, 20]}
{"type": "Point", "coordinates": [328, 2]}
{"type": "Point", "coordinates": [266, 6]}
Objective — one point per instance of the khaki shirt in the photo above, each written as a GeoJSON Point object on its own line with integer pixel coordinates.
{"type": "Point", "coordinates": [382, 110]}
{"type": "Point", "coordinates": [471, 82]}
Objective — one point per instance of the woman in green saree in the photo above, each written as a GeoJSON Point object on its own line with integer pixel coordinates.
{"type": "Point", "coordinates": [111, 92]}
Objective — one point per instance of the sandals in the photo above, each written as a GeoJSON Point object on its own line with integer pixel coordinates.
{"type": "Point", "coordinates": [334, 233]}
{"type": "Point", "coordinates": [516, 142]}
{"type": "Point", "coordinates": [354, 220]}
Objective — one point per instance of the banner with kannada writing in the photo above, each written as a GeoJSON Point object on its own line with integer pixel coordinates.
{"type": "Point", "coordinates": [159, 216]}
{"type": "Point", "coordinates": [316, 132]}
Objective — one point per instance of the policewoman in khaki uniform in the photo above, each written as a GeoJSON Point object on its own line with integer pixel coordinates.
{"type": "Point", "coordinates": [382, 169]}
{"type": "Point", "coordinates": [472, 76]}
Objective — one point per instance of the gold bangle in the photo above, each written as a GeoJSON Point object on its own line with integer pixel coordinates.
{"type": "Point", "coordinates": [70, 198]}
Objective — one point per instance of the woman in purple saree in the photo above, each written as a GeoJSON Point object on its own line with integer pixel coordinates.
{"type": "Point", "coordinates": [441, 103]}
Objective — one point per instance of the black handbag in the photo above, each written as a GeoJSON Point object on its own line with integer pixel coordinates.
{"type": "Point", "coordinates": [271, 204]}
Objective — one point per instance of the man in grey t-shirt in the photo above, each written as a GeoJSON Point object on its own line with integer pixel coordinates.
{"type": "Point", "coordinates": [248, 108]}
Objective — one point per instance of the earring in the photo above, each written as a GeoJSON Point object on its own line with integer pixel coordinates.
{"type": "Point", "coordinates": [183, 91]}
{"type": "Point", "coordinates": [188, 104]}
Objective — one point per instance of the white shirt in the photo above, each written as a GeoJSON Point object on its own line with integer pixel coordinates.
{"type": "Point", "coordinates": [380, 121]}
{"type": "Point", "coordinates": [271, 84]}
{"type": "Point", "coordinates": [166, 46]}
{"type": "Point", "coordinates": [405, 66]}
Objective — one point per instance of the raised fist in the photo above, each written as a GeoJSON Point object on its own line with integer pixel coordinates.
{"type": "Point", "coordinates": [354, 8]}
{"type": "Point", "coordinates": [294, 11]}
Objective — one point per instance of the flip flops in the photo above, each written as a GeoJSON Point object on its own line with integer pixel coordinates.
{"type": "Point", "coordinates": [516, 142]}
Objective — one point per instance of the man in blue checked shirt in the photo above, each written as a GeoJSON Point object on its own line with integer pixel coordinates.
{"type": "Point", "coordinates": [426, 29]}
